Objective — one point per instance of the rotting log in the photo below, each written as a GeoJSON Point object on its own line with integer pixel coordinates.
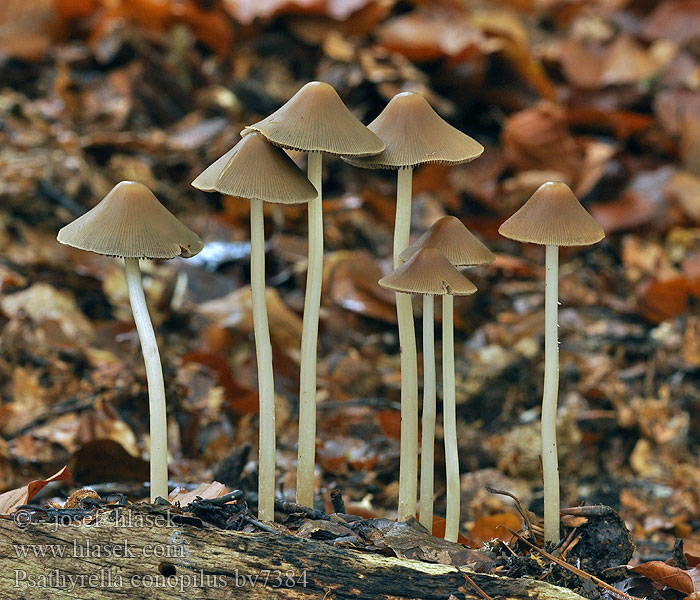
{"type": "Point", "coordinates": [134, 554]}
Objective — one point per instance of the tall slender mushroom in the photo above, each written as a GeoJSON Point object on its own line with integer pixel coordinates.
{"type": "Point", "coordinates": [314, 120]}
{"type": "Point", "coordinates": [130, 223]}
{"type": "Point", "coordinates": [552, 217]}
{"type": "Point", "coordinates": [456, 243]}
{"type": "Point", "coordinates": [414, 135]}
{"type": "Point", "coordinates": [256, 170]}
{"type": "Point", "coordinates": [429, 272]}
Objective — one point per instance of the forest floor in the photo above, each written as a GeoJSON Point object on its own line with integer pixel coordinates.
{"type": "Point", "coordinates": [600, 94]}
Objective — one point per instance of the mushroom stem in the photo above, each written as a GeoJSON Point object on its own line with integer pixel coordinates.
{"type": "Point", "coordinates": [427, 465]}
{"type": "Point", "coordinates": [408, 462]}
{"type": "Point", "coordinates": [550, 464]}
{"type": "Point", "coordinates": [154, 376]}
{"type": "Point", "coordinates": [309, 340]}
{"type": "Point", "coordinates": [263, 352]}
{"type": "Point", "coordinates": [449, 416]}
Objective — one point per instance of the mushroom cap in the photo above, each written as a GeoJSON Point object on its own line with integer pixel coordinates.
{"type": "Point", "coordinates": [255, 169]}
{"type": "Point", "coordinates": [454, 241]}
{"type": "Point", "coordinates": [553, 216]}
{"type": "Point", "coordinates": [428, 272]}
{"type": "Point", "coordinates": [316, 120]}
{"type": "Point", "coordinates": [130, 222]}
{"type": "Point", "coordinates": [414, 135]}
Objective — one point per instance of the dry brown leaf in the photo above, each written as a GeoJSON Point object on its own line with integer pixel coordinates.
{"type": "Point", "coordinates": [683, 188]}
{"type": "Point", "coordinates": [9, 501]}
{"type": "Point", "coordinates": [427, 35]}
{"type": "Point", "coordinates": [351, 277]}
{"type": "Point", "coordinates": [246, 11]}
{"type": "Point", "coordinates": [626, 61]}
{"type": "Point", "coordinates": [538, 138]}
{"type": "Point", "coordinates": [675, 108]}
{"type": "Point", "coordinates": [677, 20]}
{"type": "Point", "coordinates": [107, 460]}
{"type": "Point", "coordinates": [26, 28]}
{"type": "Point", "coordinates": [685, 581]}
{"type": "Point", "coordinates": [207, 491]}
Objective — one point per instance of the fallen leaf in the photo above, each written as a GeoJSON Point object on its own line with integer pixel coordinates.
{"type": "Point", "coordinates": [677, 20]}
{"type": "Point", "coordinates": [206, 491]}
{"type": "Point", "coordinates": [661, 300]}
{"type": "Point", "coordinates": [107, 460]}
{"type": "Point", "coordinates": [494, 527]}
{"type": "Point", "coordinates": [538, 139]}
{"type": "Point", "coordinates": [9, 501]}
{"type": "Point", "coordinates": [685, 581]}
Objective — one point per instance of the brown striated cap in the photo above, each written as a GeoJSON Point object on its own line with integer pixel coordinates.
{"type": "Point", "coordinates": [254, 168]}
{"type": "Point", "coordinates": [553, 216]}
{"type": "Point", "coordinates": [428, 272]}
{"type": "Point", "coordinates": [315, 119]}
{"type": "Point", "coordinates": [454, 241]}
{"type": "Point", "coordinates": [130, 222]}
{"type": "Point", "coordinates": [415, 134]}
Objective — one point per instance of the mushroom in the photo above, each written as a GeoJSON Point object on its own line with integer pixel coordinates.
{"type": "Point", "coordinates": [552, 217]}
{"type": "Point", "coordinates": [256, 170]}
{"type": "Point", "coordinates": [314, 120]}
{"type": "Point", "coordinates": [130, 223]}
{"type": "Point", "coordinates": [414, 135]}
{"type": "Point", "coordinates": [428, 272]}
{"type": "Point", "coordinates": [456, 243]}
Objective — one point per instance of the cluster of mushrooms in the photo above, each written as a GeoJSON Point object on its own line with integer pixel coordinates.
{"type": "Point", "coordinates": [130, 223]}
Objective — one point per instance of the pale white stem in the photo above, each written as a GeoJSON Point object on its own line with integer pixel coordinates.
{"type": "Point", "coordinates": [408, 462]}
{"type": "Point", "coordinates": [309, 341]}
{"type": "Point", "coordinates": [263, 352]}
{"type": "Point", "coordinates": [550, 463]}
{"type": "Point", "coordinates": [154, 376]}
{"type": "Point", "coordinates": [449, 418]}
{"type": "Point", "coordinates": [427, 462]}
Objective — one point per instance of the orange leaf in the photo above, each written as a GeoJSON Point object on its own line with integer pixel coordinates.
{"type": "Point", "coordinates": [439, 531]}
{"type": "Point", "coordinates": [493, 527]}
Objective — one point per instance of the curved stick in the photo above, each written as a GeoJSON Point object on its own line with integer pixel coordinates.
{"type": "Point", "coordinates": [408, 462]}
{"type": "Point", "coordinates": [427, 459]}
{"type": "Point", "coordinates": [309, 341]}
{"type": "Point", "coordinates": [154, 376]}
{"type": "Point", "coordinates": [449, 416]}
{"type": "Point", "coordinates": [263, 353]}
{"type": "Point", "coordinates": [550, 463]}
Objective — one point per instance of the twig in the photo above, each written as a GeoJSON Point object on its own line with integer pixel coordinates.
{"type": "Point", "coordinates": [473, 583]}
{"type": "Point", "coordinates": [582, 574]}
{"type": "Point", "coordinates": [259, 524]}
{"type": "Point", "coordinates": [293, 507]}
{"type": "Point", "coordinates": [535, 530]}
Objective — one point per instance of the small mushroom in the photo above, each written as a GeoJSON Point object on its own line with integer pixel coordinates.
{"type": "Point", "coordinates": [314, 120]}
{"type": "Point", "coordinates": [256, 170]}
{"type": "Point", "coordinates": [429, 273]}
{"type": "Point", "coordinates": [414, 135]}
{"type": "Point", "coordinates": [130, 223]}
{"type": "Point", "coordinates": [552, 217]}
{"type": "Point", "coordinates": [455, 242]}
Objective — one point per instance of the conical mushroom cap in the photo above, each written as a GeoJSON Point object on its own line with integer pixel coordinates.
{"type": "Point", "coordinates": [255, 169]}
{"type": "Point", "coordinates": [415, 134]}
{"type": "Point", "coordinates": [130, 222]}
{"type": "Point", "coordinates": [315, 119]}
{"type": "Point", "coordinates": [553, 216]}
{"type": "Point", "coordinates": [428, 272]}
{"type": "Point", "coordinates": [454, 241]}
